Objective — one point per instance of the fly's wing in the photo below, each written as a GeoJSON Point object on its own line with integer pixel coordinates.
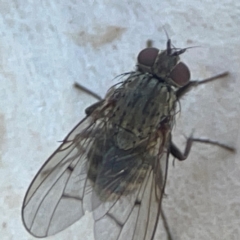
{"type": "Point", "coordinates": [123, 188]}
{"type": "Point", "coordinates": [128, 194]}
{"type": "Point", "coordinates": [54, 199]}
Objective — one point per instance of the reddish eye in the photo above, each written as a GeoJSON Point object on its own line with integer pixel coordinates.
{"type": "Point", "coordinates": [147, 57]}
{"type": "Point", "coordinates": [180, 74]}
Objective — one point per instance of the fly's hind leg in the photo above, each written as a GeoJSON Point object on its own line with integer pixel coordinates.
{"type": "Point", "coordinates": [166, 226]}
{"type": "Point", "coordinates": [182, 156]}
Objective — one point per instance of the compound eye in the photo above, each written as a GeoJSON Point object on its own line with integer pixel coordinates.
{"type": "Point", "coordinates": [147, 57]}
{"type": "Point", "coordinates": [180, 74]}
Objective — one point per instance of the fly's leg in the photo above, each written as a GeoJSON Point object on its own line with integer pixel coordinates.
{"type": "Point", "coordinates": [183, 90]}
{"type": "Point", "coordinates": [207, 141]}
{"type": "Point", "coordinates": [179, 93]}
{"type": "Point", "coordinates": [174, 150]}
{"type": "Point", "coordinates": [182, 156]}
{"type": "Point", "coordinates": [149, 43]}
{"type": "Point", "coordinates": [165, 224]}
{"type": "Point", "coordinates": [89, 110]}
{"type": "Point", "coordinates": [94, 106]}
{"type": "Point", "coordinates": [88, 91]}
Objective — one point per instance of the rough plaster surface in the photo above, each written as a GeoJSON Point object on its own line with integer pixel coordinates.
{"type": "Point", "coordinates": [45, 46]}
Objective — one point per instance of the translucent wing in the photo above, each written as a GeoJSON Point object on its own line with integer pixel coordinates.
{"type": "Point", "coordinates": [54, 199]}
{"type": "Point", "coordinates": [128, 202]}
{"type": "Point", "coordinates": [123, 188]}
{"type": "Point", "coordinates": [95, 169]}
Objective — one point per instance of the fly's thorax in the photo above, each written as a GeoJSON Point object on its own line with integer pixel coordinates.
{"type": "Point", "coordinates": [143, 102]}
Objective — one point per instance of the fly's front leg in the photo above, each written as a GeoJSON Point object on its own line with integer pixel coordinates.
{"type": "Point", "coordinates": [149, 43]}
{"type": "Point", "coordinates": [86, 90]}
{"type": "Point", "coordinates": [89, 110]}
{"type": "Point", "coordinates": [183, 90]}
{"type": "Point", "coordinates": [94, 106]}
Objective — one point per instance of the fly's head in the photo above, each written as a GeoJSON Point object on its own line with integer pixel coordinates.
{"type": "Point", "coordinates": [164, 64]}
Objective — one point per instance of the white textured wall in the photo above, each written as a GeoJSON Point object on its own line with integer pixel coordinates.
{"type": "Point", "coordinates": [47, 45]}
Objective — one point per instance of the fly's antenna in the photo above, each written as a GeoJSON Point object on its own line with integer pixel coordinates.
{"type": "Point", "coordinates": [169, 44]}
{"type": "Point", "coordinates": [171, 47]}
{"type": "Point", "coordinates": [166, 33]}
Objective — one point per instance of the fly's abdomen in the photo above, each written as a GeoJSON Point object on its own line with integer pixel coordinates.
{"type": "Point", "coordinates": [114, 171]}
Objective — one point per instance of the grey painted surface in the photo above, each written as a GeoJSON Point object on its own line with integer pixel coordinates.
{"type": "Point", "coordinates": [46, 47]}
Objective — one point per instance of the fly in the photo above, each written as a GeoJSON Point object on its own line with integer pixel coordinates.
{"type": "Point", "coordinates": [115, 161]}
